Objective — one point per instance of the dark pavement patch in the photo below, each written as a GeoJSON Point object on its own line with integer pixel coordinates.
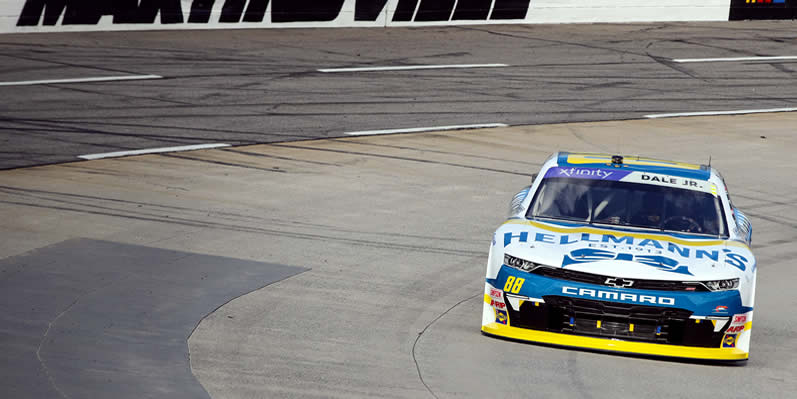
{"type": "Point", "coordinates": [96, 319]}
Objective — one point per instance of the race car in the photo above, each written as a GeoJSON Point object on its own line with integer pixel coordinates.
{"type": "Point", "coordinates": [624, 254]}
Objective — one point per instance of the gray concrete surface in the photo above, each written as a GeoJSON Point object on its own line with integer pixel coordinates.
{"type": "Point", "coordinates": [96, 319]}
{"type": "Point", "coordinates": [261, 86]}
{"type": "Point", "coordinates": [395, 230]}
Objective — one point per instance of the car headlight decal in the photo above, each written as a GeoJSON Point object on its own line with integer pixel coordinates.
{"type": "Point", "coordinates": [722, 285]}
{"type": "Point", "coordinates": [518, 263]}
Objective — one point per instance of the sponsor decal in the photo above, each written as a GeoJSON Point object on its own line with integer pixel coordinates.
{"type": "Point", "coordinates": [734, 329]}
{"type": "Point", "coordinates": [587, 173]}
{"type": "Point", "coordinates": [501, 316]}
{"type": "Point", "coordinates": [497, 294]}
{"type": "Point", "coordinates": [497, 304]}
{"type": "Point", "coordinates": [587, 255]}
{"type": "Point", "coordinates": [655, 253]}
{"type": "Point", "coordinates": [619, 243]}
{"type": "Point", "coordinates": [729, 341]}
{"type": "Point", "coordinates": [599, 173]}
{"type": "Point", "coordinates": [721, 309]}
{"type": "Point", "coordinates": [737, 324]}
{"type": "Point", "coordinates": [618, 296]}
{"type": "Point", "coordinates": [616, 174]}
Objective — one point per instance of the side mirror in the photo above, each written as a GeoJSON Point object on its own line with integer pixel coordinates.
{"type": "Point", "coordinates": [516, 205]}
{"type": "Point", "coordinates": [744, 225]}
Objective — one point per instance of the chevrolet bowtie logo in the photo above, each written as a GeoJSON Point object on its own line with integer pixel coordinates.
{"type": "Point", "coordinates": [619, 282]}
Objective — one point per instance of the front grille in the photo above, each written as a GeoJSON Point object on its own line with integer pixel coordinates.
{"type": "Point", "coordinates": [589, 278]}
{"type": "Point", "coordinates": [629, 322]}
{"type": "Point", "coordinates": [643, 323]}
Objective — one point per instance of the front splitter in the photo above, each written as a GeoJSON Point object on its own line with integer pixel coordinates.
{"type": "Point", "coordinates": [613, 345]}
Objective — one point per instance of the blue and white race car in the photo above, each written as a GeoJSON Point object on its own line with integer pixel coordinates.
{"type": "Point", "coordinates": [624, 254]}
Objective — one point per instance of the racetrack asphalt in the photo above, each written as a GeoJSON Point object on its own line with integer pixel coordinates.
{"type": "Point", "coordinates": [394, 229]}
{"type": "Point", "coordinates": [263, 86]}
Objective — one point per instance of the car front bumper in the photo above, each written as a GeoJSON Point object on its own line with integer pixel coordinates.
{"type": "Point", "coordinates": [613, 345]}
{"type": "Point", "coordinates": [615, 327]}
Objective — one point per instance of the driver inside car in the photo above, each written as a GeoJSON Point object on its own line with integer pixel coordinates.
{"type": "Point", "coordinates": [646, 209]}
{"type": "Point", "coordinates": [678, 214]}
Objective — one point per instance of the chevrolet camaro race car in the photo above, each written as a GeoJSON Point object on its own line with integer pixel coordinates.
{"type": "Point", "coordinates": [624, 254]}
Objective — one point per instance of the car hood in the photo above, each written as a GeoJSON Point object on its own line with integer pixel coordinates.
{"type": "Point", "coordinates": [625, 253]}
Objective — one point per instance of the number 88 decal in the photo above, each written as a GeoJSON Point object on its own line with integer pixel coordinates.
{"type": "Point", "coordinates": [513, 284]}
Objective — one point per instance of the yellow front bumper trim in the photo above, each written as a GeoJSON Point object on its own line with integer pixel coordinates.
{"type": "Point", "coordinates": [611, 345]}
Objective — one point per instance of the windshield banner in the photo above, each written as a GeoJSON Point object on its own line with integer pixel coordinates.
{"type": "Point", "coordinates": [632, 177]}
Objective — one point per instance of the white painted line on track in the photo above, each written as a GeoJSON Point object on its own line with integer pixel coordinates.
{"type": "Point", "coordinates": [425, 129]}
{"type": "Point", "coordinates": [709, 113]}
{"type": "Point", "coordinates": [410, 67]}
{"type": "Point", "coordinates": [80, 80]}
{"type": "Point", "coordinates": [736, 59]}
{"type": "Point", "coordinates": [117, 154]}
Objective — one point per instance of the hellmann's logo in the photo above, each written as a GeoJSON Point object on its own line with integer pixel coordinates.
{"type": "Point", "coordinates": [618, 296]}
{"type": "Point", "coordinates": [602, 244]}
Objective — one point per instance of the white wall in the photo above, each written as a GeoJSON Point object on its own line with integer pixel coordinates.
{"type": "Point", "coordinates": [564, 11]}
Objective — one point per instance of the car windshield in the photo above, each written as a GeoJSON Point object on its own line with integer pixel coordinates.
{"type": "Point", "coordinates": [629, 204]}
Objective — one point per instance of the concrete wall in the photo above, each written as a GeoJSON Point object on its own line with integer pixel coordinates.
{"type": "Point", "coordinates": [86, 15]}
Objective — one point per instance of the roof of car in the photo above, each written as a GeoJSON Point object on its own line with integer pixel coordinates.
{"type": "Point", "coordinates": [634, 163]}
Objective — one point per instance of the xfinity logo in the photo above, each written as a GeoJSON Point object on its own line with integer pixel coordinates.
{"type": "Point", "coordinates": [618, 296]}
{"type": "Point", "coordinates": [601, 174]}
